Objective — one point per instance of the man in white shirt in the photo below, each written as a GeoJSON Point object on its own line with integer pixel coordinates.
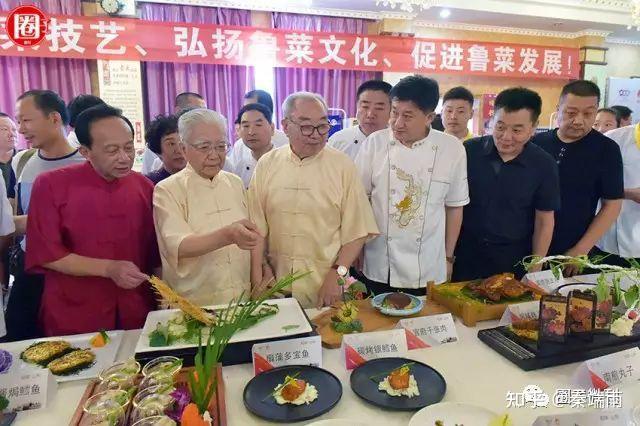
{"type": "Point", "coordinates": [622, 240]}
{"type": "Point", "coordinates": [7, 227]}
{"type": "Point", "coordinates": [416, 178]}
{"type": "Point", "coordinates": [374, 107]}
{"type": "Point", "coordinates": [256, 132]}
{"type": "Point", "coordinates": [457, 110]}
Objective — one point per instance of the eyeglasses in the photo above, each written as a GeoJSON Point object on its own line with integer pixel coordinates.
{"type": "Point", "coordinates": [308, 129]}
{"type": "Point", "coordinates": [206, 147]}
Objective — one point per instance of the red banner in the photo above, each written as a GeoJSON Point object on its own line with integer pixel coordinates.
{"type": "Point", "coordinates": [132, 39]}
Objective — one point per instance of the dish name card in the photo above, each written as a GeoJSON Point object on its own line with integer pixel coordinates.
{"type": "Point", "coordinates": [303, 351]}
{"type": "Point", "coordinates": [27, 389]}
{"type": "Point", "coordinates": [609, 370]}
{"type": "Point", "coordinates": [544, 280]}
{"type": "Point", "coordinates": [521, 312]}
{"type": "Point", "coordinates": [361, 347]}
{"type": "Point", "coordinates": [618, 417]}
{"type": "Point", "coordinates": [431, 330]}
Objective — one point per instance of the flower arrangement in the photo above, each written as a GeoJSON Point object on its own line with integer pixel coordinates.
{"type": "Point", "coordinates": [346, 320]}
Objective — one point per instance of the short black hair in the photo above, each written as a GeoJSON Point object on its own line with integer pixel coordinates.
{"type": "Point", "coordinates": [375, 85]}
{"type": "Point", "coordinates": [611, 111]}
{"type": "Point", "coordinates": [422, 91]}
{"type": "Point", "coordinates": [581, 88]}
{"type": "Point", "coordinates": [93, 114]}
{"type": "Point", "coordinates": [262, 97]}
{"type": "Point", "coordinates": [3, 114]}
{"type": "Point", "coordinates": [161, 126]}
{"type": "Point", "coordinates": [79, 104]}
{"type": "Point", "coordinates": [48, 101]}
{"type": "Point", "coordinates": [517, 98]}
{"type": "Point", "coordinates": [436, 124]}
{"type": "Point", "coordinates": [623, 112]}
{"type": "Point", "coordinates": [461, 93]}
{"type": "Point", "coordinates": [181, 97]}
{"type": "Point", "coordinates": [255, 107]}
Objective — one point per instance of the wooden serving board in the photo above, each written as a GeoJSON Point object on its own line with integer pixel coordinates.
{"type": "Point", "coordinates": [470, 311]}
{"type": "Point", "coordinates": [371, 318]}
{"type": "Point", "coordinates": [217, 407]}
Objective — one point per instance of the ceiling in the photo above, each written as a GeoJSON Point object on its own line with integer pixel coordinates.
{"type": "Point", "coordinates": [564, 17]}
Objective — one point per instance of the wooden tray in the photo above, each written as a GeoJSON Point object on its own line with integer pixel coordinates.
{"type": "Point", "coordinates": [470, 311]}
{"type": "Point", "coordinates": [371, 318]}
{"type": "Point", "coordinates": [217, 407]}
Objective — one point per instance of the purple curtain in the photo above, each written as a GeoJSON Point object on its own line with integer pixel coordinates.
{"type": "Point", "coordinates": [68, 77]}
{"type": "Point", "coordinates": [222, 86]}
{"type": "Point", "coordinates": [337, 86]}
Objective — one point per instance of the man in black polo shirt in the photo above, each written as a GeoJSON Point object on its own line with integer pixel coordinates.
{"type": "Point", "coordinates": [590, 167]}
{"type": "Point", "coordinates": [514, 190]}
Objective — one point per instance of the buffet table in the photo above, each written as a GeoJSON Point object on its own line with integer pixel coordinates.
{"type": "Point", "coordinates": [475, 374]}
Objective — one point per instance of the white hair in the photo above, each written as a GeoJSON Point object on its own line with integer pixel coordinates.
{"type": "Point", "coordinates": [200, 115]}
{"type": "Point", "coordinates": [288, 106]}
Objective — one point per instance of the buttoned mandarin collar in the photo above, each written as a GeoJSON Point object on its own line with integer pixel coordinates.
{"type": "Point", "coordinates": [306, 160]}
{"type": "Point", "coordinates": [193, 175]}
{"type": "Point", "coordinates": [417, 144]}
{"type": "Point", "coordinates": [489, 149]}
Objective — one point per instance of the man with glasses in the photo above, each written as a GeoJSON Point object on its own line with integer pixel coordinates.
{"type": "Point", "coordinates": [310, 204]}
{"type": "Point", "coordinates": [90, 229]}
{"type": "Point", "coordinates": [201, 217]}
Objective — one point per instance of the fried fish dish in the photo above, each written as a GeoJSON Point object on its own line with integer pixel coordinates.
{"type": "Point", "coordinates": [499, 286]}
{"type": "Point", "coordinates": [72, 362]}
{"type": "Point", "coordinates": [43, 352]}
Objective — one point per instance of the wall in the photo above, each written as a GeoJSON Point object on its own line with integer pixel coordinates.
{"type": "Point", "coordinates": [623, 60]}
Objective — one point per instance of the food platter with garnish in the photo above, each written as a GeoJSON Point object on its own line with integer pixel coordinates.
{"type": "Point", "coordinates": [577, 322]}
{"type": "Point", "coordinates": [397, 304]}
{"type": "Point", "coordinates": [69, 358]}
{"type": "Point", "coordinates": [292, 393]}
{"type": "Point", "coordinates": [458, 414]}
{"type": "Point", "coordinates": [398, 384]}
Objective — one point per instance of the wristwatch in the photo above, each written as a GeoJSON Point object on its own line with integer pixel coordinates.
{"type": "Point", "coordinates": [342, 270]}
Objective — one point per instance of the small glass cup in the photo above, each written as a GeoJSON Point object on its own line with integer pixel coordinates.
{"type": "Point", "coordinates": [151, 405]}
{"type": "Point", "coordinates": [156, 421]}
{"type": "Point", "coordinates": [120, 376]}
{"type": "Point", "coordinates": [107, 407]}
{"type": "Point", "coordinates": [164, 366]}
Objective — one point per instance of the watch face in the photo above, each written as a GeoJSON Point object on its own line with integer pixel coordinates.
{"type": "Point", "coordinates": [342, 271]}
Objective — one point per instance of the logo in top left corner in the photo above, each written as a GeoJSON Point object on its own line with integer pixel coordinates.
{"type": "Point", "coordinates": [26, 25]}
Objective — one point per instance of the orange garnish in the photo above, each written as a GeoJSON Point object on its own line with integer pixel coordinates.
{"type": "Point", "coordinates": [191, 416]}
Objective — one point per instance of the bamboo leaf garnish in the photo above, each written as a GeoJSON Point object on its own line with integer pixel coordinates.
{"type": "Point", "coordinates": [408, 364]}
{"type": "Point", "coordinates": [281, 386]}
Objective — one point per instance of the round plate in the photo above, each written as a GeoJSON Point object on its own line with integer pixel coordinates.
{"type": "Point", "coordinates": [262, 385]}
{"type": "Point", "coordinates": [431, 384]}
{"type": "Point", "coordinates": [376, 302]}
{"type": "Point", "coordinates": [452, 413]}
{"type": "Point", "coordinates": [337, 422]}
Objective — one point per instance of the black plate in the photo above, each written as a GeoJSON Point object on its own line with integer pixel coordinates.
{"type": "Point", "coordinates": [328, 386]}
{"type": "Point", "coordinates": [431, 384]}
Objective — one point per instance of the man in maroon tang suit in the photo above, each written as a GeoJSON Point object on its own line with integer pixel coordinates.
{"type": "Point", "coordinates": [90, 232]}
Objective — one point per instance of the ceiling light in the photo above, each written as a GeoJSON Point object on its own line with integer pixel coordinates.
{"type": "Point", "coordinates": [445, 13]}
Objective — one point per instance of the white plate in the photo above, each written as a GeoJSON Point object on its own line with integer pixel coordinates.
{"type": "Point", "coordinates": [289, 313]}
{"type": "Point", "coordinates": [337, 422]}
{"type": "Point", "coordinates": [451, 413]}
{"type": "Point", "coordinates": [105, 356]}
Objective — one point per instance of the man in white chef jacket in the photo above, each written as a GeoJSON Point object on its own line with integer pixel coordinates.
{"type": "Point", "coordinates": [416, 178]}
{"type": "Point", "coordinates": [374, 107]}
{"type": "Point", "coordinates": [622, 240]}
{"type": "Point", "coordinates": [7, 227]}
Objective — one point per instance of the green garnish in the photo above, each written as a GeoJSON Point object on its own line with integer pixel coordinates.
{"type": "Point", "coordinates": [403, 366]}
{"type": "Point", "coordinates": [287, 380]}
{"type": "Point", "coordinates": [286, 328]}
{"type": "Point", "coordinates": [4, 403]}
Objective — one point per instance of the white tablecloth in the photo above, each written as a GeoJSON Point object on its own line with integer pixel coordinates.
{"type": "Point", "coordinates": [474, 373]}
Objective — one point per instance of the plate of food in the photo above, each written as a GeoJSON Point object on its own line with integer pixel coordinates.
{"type": "Point", "coordinates": [69, 358]}
{"type": "Point", "coordinates": [292, 393]}
{"type": "Point", "coordinates": [455, 413]}
{"type": "Point", "coordinates": [397, 304]}
{"type": "Point", "coordinates": [398, 384]}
